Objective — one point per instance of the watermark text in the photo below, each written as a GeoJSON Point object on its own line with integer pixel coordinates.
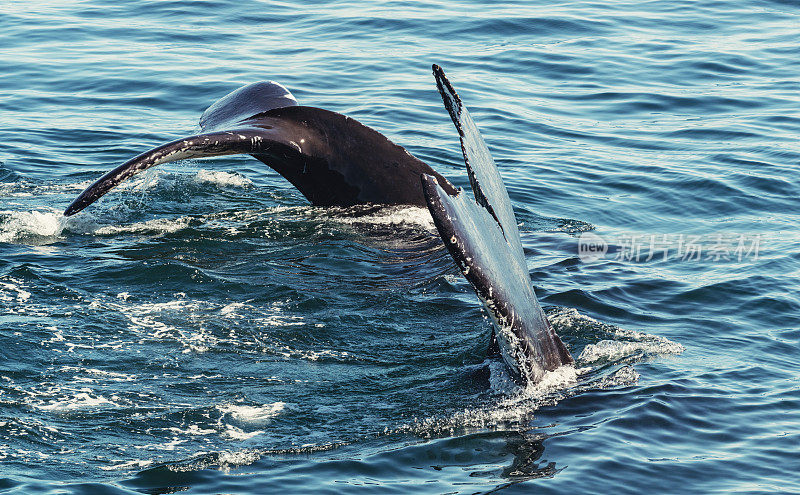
{"type": "Point", "coordinates": [662, 247]}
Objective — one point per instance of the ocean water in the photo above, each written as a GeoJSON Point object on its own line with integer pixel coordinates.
{"type": "Point", "coordinates": [203, 329]}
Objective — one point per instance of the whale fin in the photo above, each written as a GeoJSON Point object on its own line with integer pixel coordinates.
{"type": "Point", "coordinates": [333, 160]}
{"type": "Point", "coordinates": [249, 100]}
{"type": "Point", "coordinates": [527, 342]}
{"type": "Point", "coordinates": [483, 238]}
{"type": "Point", "coordinates": [487, 185]}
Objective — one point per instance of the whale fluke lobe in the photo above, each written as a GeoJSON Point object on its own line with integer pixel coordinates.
{"type": "Point", "coordinates": [331, 159]}
{"type": "Point", "coordinates": [487, 185]}
{"type": "Point", "coordinates": [235, 141]}
{"type": "Point", "coordinates": [245, 102]}
{"type": "Point", "coordinates": [483, 238]}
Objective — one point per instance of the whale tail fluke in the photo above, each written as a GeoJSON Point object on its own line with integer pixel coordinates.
{"type": "Point", "coordinates": [483, 238]}
{"type": "Point", "coordinates": [331, 159]}
{"type": "Point", "coordinates": [334, 160]}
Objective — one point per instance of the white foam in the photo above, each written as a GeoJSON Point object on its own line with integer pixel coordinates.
{"type": "Point", "coordinates": [236, 433]}
{"type": "Point", "coordinates": [231, 310]}
{"type": "Point", "coordinates": [81, 400]}
{"type": "Point", "coordinates": [136, 464]}
{"type": "Point", "coordinates": [222, 179]}
{"type": "Point", "coordinates": [561, 378]}
{"type": "Point", "coordinates": [621, 378]}
{"type": "Point", "coordinates": [615, 350]}
{"type": "Point", "coordinates": [58, 336]}
{"type": "Point", "coordinates": [19, 224]}
{"type": "Point", "coordinates": [394, 215]}
{"type": "Point", "coordinates": [516, 404]}
{"type": "Point", "coordinates": [9, 291]}
{"type": "Point", "coordinates": [554, 384]}
{"type": "Point", "coordinates": [193, 430]}
{"type": "Point", "coordinates": [276, 318]}
{"type": "Point", "coordinates": [241, 458]}
{"type": "Point", "coordinates": [155, 226]}
{"type": "Point", "coordinates": [108, 375]}
{"type": "Point", "coordinates": [144, 315]}
{"type": "Point", "coordinates": [619, 344]}
{"type": "Point", "coordinates": [171, 445]}
{"type": "Point", "coordinates": [569, 319]}
{"type": "Point", "coordinates": [253, 414]}
{"type": "Point", "coordinates": [183, 320]}
{"type": "Point", "coordinates": [249, 415]}
{"type": "Point", "coordinates": [26, 188]}
{"type": "Point", "coordinates": [309, 355]}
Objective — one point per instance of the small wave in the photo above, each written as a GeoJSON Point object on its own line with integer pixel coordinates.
{"type": "Point", "coordinates": [224, 461]}
{"type": "Point", "coordinates": [183, 320]}
{"type": "Point", "coordinates": [615, 351]}
{"type": "Point", "coordinates": [11, 290]}
{"type": "Point", "coordinates": [232, 310]}
{"type": "Point", "coordinates": [45, 226]}
{"type": "Point", "coordinates": [126, 465]}
{"type": "Point", "coordinates": [253, 414]}
{"type": "Point", "coordinates": [222, 179]}
{"type": "Point", "coordinates": [618, 345]}
{"type": "Point", "coordinates": [192, 430]}
{"type": "Point", "coordinates": [615, 346]}
{"type": "Point", "coordinates": [106, 375]}
{"type": "Point", "coordinates": [82, 400]}
{"type": "Point", "coordinates": [41, 226]}
{"type": "Point", "coordinates": [622, 377]}
{"type": "Point", "coordinates": [385, 216]}
{"type": "Point", "coordinates": [17, 225]}
{"type": "Point", "coordinates": [234, 422]}
{"type": "Point", "coordinates": [246, 416]}
{"type": "Point", "coordinates": [165, 446]}
{"type": "Point", "coordinates": [516, 405]}
{"type": "Point", "coordinates": [309, 355]}
{"type": "Point", "coordinates": [228, 460]}
{"type": "Point", "coordinates": [235, 433]}
{"type": "Point", "coordinates": [155, 226]}
{"type": "Point", "coordinates": [29, 427]}
{"type": "Point", "coordinates": [163, 180]}
{"type": "Point", "coordinates": [163, 320]}
{"type": "Point", "coordinates": [26, 188]}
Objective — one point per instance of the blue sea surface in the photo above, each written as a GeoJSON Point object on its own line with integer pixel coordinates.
{"type": "Point", "coordinates": [203, 329]}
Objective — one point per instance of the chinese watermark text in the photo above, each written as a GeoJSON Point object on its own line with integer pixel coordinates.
{"type": "Point", "coordinates": [663, 247]}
